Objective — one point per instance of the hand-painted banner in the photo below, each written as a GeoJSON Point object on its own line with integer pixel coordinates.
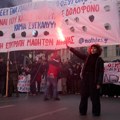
{"type": "Point", "coordinates": [43, 24]}
{"type": "Point", "coordinates": [29, 26]}
{"type": "Point", "coordinates": [24, 83]}
{"type": "Point", "coordinates": [112, 73]}
{"type": "Point", "coordinates": [91, 21]}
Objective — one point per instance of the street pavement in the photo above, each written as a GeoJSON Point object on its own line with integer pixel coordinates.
{"type": "Point", "coordinates": [35, 108]}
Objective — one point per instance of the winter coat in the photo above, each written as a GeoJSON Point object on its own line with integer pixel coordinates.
{"type": "Point", "coordinates": [92, 72]}
{"type": "Point", "coordinates": [13, 72]}
{"type": "Point", "coordinates": [3, 69]}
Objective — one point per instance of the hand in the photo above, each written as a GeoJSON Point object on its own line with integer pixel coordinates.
{"type": "Point", "coordinates": [67, 46]}
{"type": "Point", "coordinates": [98, 86]}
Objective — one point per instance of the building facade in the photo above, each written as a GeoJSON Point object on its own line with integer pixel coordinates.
{"type": "Point", "coordinates": [111, 53]}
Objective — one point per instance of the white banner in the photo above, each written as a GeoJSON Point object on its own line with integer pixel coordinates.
{"type": "Point", "coordinates": [24, 83]}
{"type": "Point", "coordinates": [112, 73]}
{"type": "Point", "coordinates": [91, 21]}
{"type": "Point", "coordinates": [43, 24]}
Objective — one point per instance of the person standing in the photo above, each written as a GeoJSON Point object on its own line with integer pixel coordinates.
{"type": "Point", "coordinates": [13, 79]}
{"type": "Point", "coordinates": [92, 78]}
{"type": "Point", "coordinates": [64, 74]}
{"type": "Point", "coordinates": [52, 77]}
{"type": "Point", "coordinates": [3, 71]}
{"type": "Point", "coordinates": [33, 73]}
{"type": "Point", "coordinates": [39, 73]}
{"type": "Point", "coordinates": [77, 83]}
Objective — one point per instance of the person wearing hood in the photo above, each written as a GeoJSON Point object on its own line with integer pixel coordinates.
{"type": "Point", "coordinates": [92, 78]}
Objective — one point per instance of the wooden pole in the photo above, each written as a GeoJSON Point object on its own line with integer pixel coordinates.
{"type": "Point", "coordinates": [7, 76]}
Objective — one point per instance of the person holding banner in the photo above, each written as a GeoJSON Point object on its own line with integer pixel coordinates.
{"type": "Point", "coordinates": [92, 78]}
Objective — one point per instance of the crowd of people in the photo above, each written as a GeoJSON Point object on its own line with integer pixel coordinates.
{"type": "Point", "coordinates": [52, 71]}
{"type": "Point", "coordinates": [69, 76]}
{"type": "Point", "coordinates": [76, 78]}
{"type": "Point", "coordinates": [52, 68]}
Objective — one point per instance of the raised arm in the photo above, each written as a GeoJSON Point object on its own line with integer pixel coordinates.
{"type": "Point", "coordinates": [77, 53]}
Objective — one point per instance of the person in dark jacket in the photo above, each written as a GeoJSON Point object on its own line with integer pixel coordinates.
{"type": "Point", "coordinates": [92, 77]}
{"type": "Point", "coordinates": [3, 71]}
{"type": "Point", "coordinates": [13, 79]}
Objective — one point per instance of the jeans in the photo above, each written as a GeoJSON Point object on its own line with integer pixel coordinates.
{"type": "Point", "coordinates": [51, 81]}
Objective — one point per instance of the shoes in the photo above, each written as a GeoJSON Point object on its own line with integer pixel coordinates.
{"type": "Point", "coordinates": [96, 114]}
{"type": "Point", "coordinates": [4, 96]}
{"type": "Point", "coordinates": [57, 98]}
{"type": "Point", "coordinates": [45, 99]}
{"type": "Point", "coordinates": [9, 95]}
{"type": "Point", "coordinates": [82, 114]}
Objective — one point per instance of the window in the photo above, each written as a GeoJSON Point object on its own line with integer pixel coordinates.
{"type": "Point", "coordinates": [105, 51]}
{"type": "Point", "coordinates": [117, 50]}
{"type": "Point", "coordinates": [84, 49]}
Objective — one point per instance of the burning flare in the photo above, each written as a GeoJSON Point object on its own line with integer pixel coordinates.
{"type": "Point", "coordinates": [60, 34]}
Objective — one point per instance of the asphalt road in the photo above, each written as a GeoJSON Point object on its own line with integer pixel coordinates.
{"type": "Point", "coordinates": [34, 108]}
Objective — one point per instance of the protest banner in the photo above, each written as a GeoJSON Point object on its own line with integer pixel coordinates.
{"type": "Point", "coordinates": [36, 25]}
{"type": "Point", "coordinates": [24, 83]}
{"type": "Point", "coordinates": [112, 73]}
{"type": "Point", "coordinates": [91, 21]}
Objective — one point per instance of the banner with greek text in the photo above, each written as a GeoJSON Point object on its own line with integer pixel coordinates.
{"type": "Point", "coordinates": [112, 73]}
{"type": "Point", "coordinates": [29, 26]}
{"type": "Point", "coordinates": [52, 24]}
{"type": "Point", "coordinates": [91, 21]}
